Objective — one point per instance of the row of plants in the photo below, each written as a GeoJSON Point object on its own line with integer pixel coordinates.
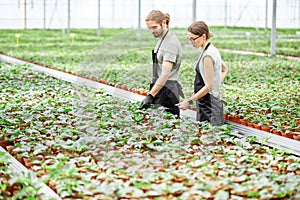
{"type": "Point", "coordinates": [260, 90]}
{"type": "Point", "coordinates": [267, 95]}
{"type": "Point", "coordinates": [237, 38]}
{"type": "Point", "coordinates": [258, 40]}
{"type": "Point", "coordinates": [85, 144]}
{"type": "Point", "coordinates": [16, 185]}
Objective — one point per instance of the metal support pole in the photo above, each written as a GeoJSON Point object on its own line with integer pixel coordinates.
{"type": "Point", "coordinates": [99, 28]}
{"type": "Point", "coordinates": [194, 10]}
{"type": "Point", "coordinates": [69, 16]}
{"type": "Point", "coordinates": [299, 13]}
{"type": "Point", "coordinates": [273, 32]}
{"type": "Point", "coordinates": [25, 15]}
{"type": "Point", "coordinates": [225, 22]}
{"type": "Point", "coordinates": [139, 22]}
{"type": "Point", "coordinates": [113, 11]}
{"type": "Point", "coordinates": [44, 14]}
{"type": "Point", "coordinates": [138, 34]}
{"type": "Point", "coordinates": [266, 17]}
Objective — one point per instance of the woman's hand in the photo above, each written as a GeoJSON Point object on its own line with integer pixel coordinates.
{"type": "Point", "coordinates": [183, 105]}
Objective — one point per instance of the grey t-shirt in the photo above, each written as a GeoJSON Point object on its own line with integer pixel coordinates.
{"type": "Point", "coordinates": [170, 50]}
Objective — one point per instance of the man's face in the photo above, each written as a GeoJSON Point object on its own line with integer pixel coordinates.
{"type": "Point", "coordinates": [155, 28]}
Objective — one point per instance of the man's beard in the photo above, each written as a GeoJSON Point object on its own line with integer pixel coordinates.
{"type": "Point", "coordinates": [159, 33]}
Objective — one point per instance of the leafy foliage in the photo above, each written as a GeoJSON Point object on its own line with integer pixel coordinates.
{"type": "Point", "coordinates": [86, 144]}
{"type": "Point", "coordinates": [260, 89]}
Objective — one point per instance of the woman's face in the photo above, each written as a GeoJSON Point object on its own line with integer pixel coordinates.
{"type": "Point", "coordinates": [155, 28]}
{"type": "Point", "coordinates": [195, 40]}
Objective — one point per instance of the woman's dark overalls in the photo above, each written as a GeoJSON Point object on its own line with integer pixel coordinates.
{"type": "Point", "coordinates": [209, 108]}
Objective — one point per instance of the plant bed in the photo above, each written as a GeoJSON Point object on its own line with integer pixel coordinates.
{"type": "Point", "coordinates": [252, 89]}
{"type": "Point", "coordinates": [14, 185]}
{"type": "Point", "coordinates": [88, 145]}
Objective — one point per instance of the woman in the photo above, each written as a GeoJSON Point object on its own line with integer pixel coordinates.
{"type": "Point", "coordinates": [166, 57]}
{"type": "Point", "coordinates": [210, 72]}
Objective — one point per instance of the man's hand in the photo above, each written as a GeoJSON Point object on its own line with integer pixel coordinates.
{"type": "Point", "coordinates": [147, 101]}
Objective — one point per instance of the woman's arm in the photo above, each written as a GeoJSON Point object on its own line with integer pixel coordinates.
{"type": "Point", "coordinates": [208, 80]}
{"type": "Point", "coordinates": [224, 70]}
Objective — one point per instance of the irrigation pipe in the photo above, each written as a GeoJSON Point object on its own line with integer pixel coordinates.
{"type": "Point", "coordinates": [274, 141]}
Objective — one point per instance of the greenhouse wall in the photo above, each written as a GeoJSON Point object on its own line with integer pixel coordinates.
{"type": "Point", "coordinates": [125, 14]}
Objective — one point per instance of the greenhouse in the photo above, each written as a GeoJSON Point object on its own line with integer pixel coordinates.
{"type": "Point", "coordinates": [88, 108]}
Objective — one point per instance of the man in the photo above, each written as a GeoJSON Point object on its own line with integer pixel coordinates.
{"type": "Point", "coordinates": [166, 56]}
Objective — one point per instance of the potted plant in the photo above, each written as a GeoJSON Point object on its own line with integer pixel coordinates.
{"type": "Point", "coordinates": [296, 135]}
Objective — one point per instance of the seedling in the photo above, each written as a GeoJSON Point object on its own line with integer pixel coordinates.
{"type": "Point", "coordinates": [17, 35]}
{"type": "Point", "coordinates": [72, 35]}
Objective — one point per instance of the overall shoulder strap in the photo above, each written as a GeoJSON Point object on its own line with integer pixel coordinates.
{"type": "Point", "coordinates": [162, 41]}
{"type": "Point", "coordinates": [202, 53]}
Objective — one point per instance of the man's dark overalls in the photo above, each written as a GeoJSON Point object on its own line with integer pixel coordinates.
{"type": "Point", "coordinates": [169, 94]}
